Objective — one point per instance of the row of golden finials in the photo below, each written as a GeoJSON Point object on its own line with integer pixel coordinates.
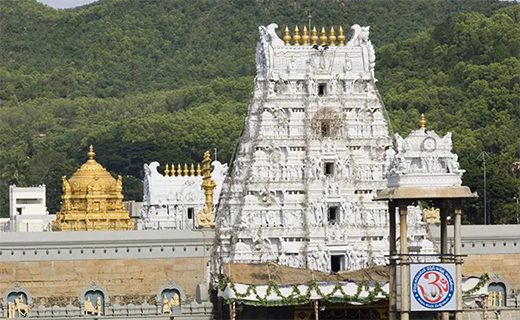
{"type": "Point", "coordinates": [313, 38]}
{"type": "Point", "coordinates": [180, 172]}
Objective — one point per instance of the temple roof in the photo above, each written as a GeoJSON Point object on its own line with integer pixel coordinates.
{"type": "Point", "coordinates": [89, 172]}
{"type": "Point", "coordinates": [259, 274]}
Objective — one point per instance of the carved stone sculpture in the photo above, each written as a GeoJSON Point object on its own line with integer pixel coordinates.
{"type": "Point", "coordinates": [11, 310]}
{"type": "Point", "coordinates": [175, 301]}
{"type": "Point", "coordinates": [90, 309]}
{"type": "Point", "coordinates": [166, 305]}
{"type": "Point", "coordinates": [432, 215]}
{"type": "Point", "coordinates": [492, 298]}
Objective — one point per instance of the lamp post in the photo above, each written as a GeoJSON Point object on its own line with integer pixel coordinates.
{"type": "Point", "coordinates": [517, 211]}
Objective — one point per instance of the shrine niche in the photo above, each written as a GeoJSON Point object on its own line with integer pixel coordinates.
{"type": "Point", "coordinates": [326, 123]}
{"type": "Point", "coordinates": [92, 200]}
{"type": "Point", "coordinates": [17, 302]}
{"type": "Point", "coordinates": [94, 300]}
{"type": "Point", "coordinates": [169, 298]}
{"type": "Point", "coordinates": [497, 291]}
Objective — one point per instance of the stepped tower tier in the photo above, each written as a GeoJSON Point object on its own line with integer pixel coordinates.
{"type": "Point", "coordinates": [92, 200]}
{"type": "Point", "coordinates": [310, 158]}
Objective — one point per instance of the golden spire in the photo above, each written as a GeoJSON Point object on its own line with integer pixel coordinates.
{"type": "Point", "coordinates": [192, 170]}
{"type": "Point", "coordinates": [323, 37]}
{"type": "Point", "coordinates": [91, 153]}
{"type": "Point", "coordinates": [179, 170]}
{"type": "Point", "coordinates": [186, 170]}
{"type": "Point", "coordinates": [166, 171]}
{"type": "Point", "coordinates": [297, 36]}
{"type": "Point", "coordinates": [332, 37]}
{"type": "Point", "coordinates": [305, 36]}
{"type": "Point", "coordinates": [173, 170]}
{"type": "Point", "coordinates": [423, 121]}
{"type": "Point", "coordinates": [206, 217]}
{"type": "Point", "coordinates": [341, 36]}
{"type": "Point", "coordinates": [287, 37]}
{"type": "Point", "coordinates": [314, 37]}
{"type": "Point", "coordinates": [198, 169]}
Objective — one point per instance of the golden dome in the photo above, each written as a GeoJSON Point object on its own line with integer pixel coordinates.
{"type": "Point", "coordinates": [92, 200]}
{"type": "Point", "coordinates": [89, 173]}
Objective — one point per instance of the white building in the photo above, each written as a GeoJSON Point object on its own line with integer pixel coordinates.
{"type": "Point", "coordinates": [28, 210]}
{"type": "Point", "coordinates": [311, 158]}
{"type": "Point", "coordinates": [172, 199]}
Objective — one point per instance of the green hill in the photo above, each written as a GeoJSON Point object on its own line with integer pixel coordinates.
{"type": "Point", "coordinates": [166, 80]}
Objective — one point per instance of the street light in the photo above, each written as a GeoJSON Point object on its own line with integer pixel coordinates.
{"type": "Point", "coordinates": [517, 211]}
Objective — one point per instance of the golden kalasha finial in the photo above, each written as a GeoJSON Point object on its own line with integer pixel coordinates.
{"type": "Point", "coordinates": [305, 36]}
{"type": "Point", "coordinates": [173, 170]}
{"type": "Point", "coordinates": [323, 37]}
{"type": "Point", "coordinates": [179, 170]}
{"type": "Point", "coordinates": [314, 37]}
{"type": "Point", "coordinates": [192, 170]}
{"type": "Point", "coordinates": [423, 121]}
{"type": "Point", "coordinates": [198, 169]}
{"type": "Point", "coordinates": [186, 170]}
{"type": "Point", "coordinates": [341, 36]}
{"type": "Point", "coordinates": [166, 171]}
{"type": "Point", "coordinates": [297, 36]}
{"type": "Point", "coordinates": [91, 153]}
{"type": "Point", "coordinates": [287, 37]}
{"type": "Point", "coordinates": [332, 37]}
{"type": "Point", "coordinates": [206, 217]}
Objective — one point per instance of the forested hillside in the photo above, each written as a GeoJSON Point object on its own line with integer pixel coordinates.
{"type": "Point", "coordinates": [165, 80]}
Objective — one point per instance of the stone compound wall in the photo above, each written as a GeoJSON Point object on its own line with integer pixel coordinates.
{"type": "Point", "coordinates": [132, 267]}
{"type": "Point", "coordinates": [127, 279]}
{"type": "Point", "coordinates": [491, 249]}
{"type": "Point", "coordinates": [505, 265]}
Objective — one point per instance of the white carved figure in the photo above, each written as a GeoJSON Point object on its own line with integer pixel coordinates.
{"type": "Point", "coordinates": [312, 87]}
{"type": "Point", "coordinates": [333, 86]}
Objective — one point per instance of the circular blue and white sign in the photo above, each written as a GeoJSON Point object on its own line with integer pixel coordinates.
{"type": "Point", "coordinates": [433, 287]}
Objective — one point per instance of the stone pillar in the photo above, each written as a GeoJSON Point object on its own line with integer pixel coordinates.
{"type": "Point", "coordinates": [405, 297]}
{"type": "Point", "coordinates": [393, 265]}
{"type": "Point", "coordinates": [458, 258]}
{"type": "Point", "coordinates": [444, 244]}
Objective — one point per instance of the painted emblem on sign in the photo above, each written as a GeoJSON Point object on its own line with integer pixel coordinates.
{"type": "Point", "coordinates": [433, 287]}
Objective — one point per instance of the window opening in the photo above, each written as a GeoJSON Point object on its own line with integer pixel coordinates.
{"type": "Point", "coordinates": [333, 213]}
{"type": "Point", "coordinates": [337, 263]}
{"type": "Point", "coordinates": [329, 168]}
{"type": "Point", "coordinates": [321, 89]}
{"type": "Point", "coordinates": [190, 213]}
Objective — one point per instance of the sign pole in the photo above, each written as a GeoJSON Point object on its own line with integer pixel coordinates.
{"type": "Point", "coordinates": [405, 296]}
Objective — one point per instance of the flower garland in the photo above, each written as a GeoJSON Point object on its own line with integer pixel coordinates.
{"type": "Point", "coordinates": [296, 297]}
{"type": "Point", "coordinates": [483, 280]}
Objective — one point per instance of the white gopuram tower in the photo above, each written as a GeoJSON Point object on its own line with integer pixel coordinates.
{"type": "Point", "coordinates": [310, 159]}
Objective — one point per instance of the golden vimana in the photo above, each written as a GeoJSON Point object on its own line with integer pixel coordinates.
{"type": "Point", "coordinates": [92, 200]}
{"type": "Point", "coordinates": [312, 39]}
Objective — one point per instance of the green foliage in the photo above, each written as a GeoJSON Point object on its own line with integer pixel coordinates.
{"type": "Point", "coordinates": [166, 80]}
{"type": "Point", "coordinates": [296, 297]}
{"type": "Point", "coordinates": [465, 75]}
{"type": "Point", "coordinates": [44, 139]}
